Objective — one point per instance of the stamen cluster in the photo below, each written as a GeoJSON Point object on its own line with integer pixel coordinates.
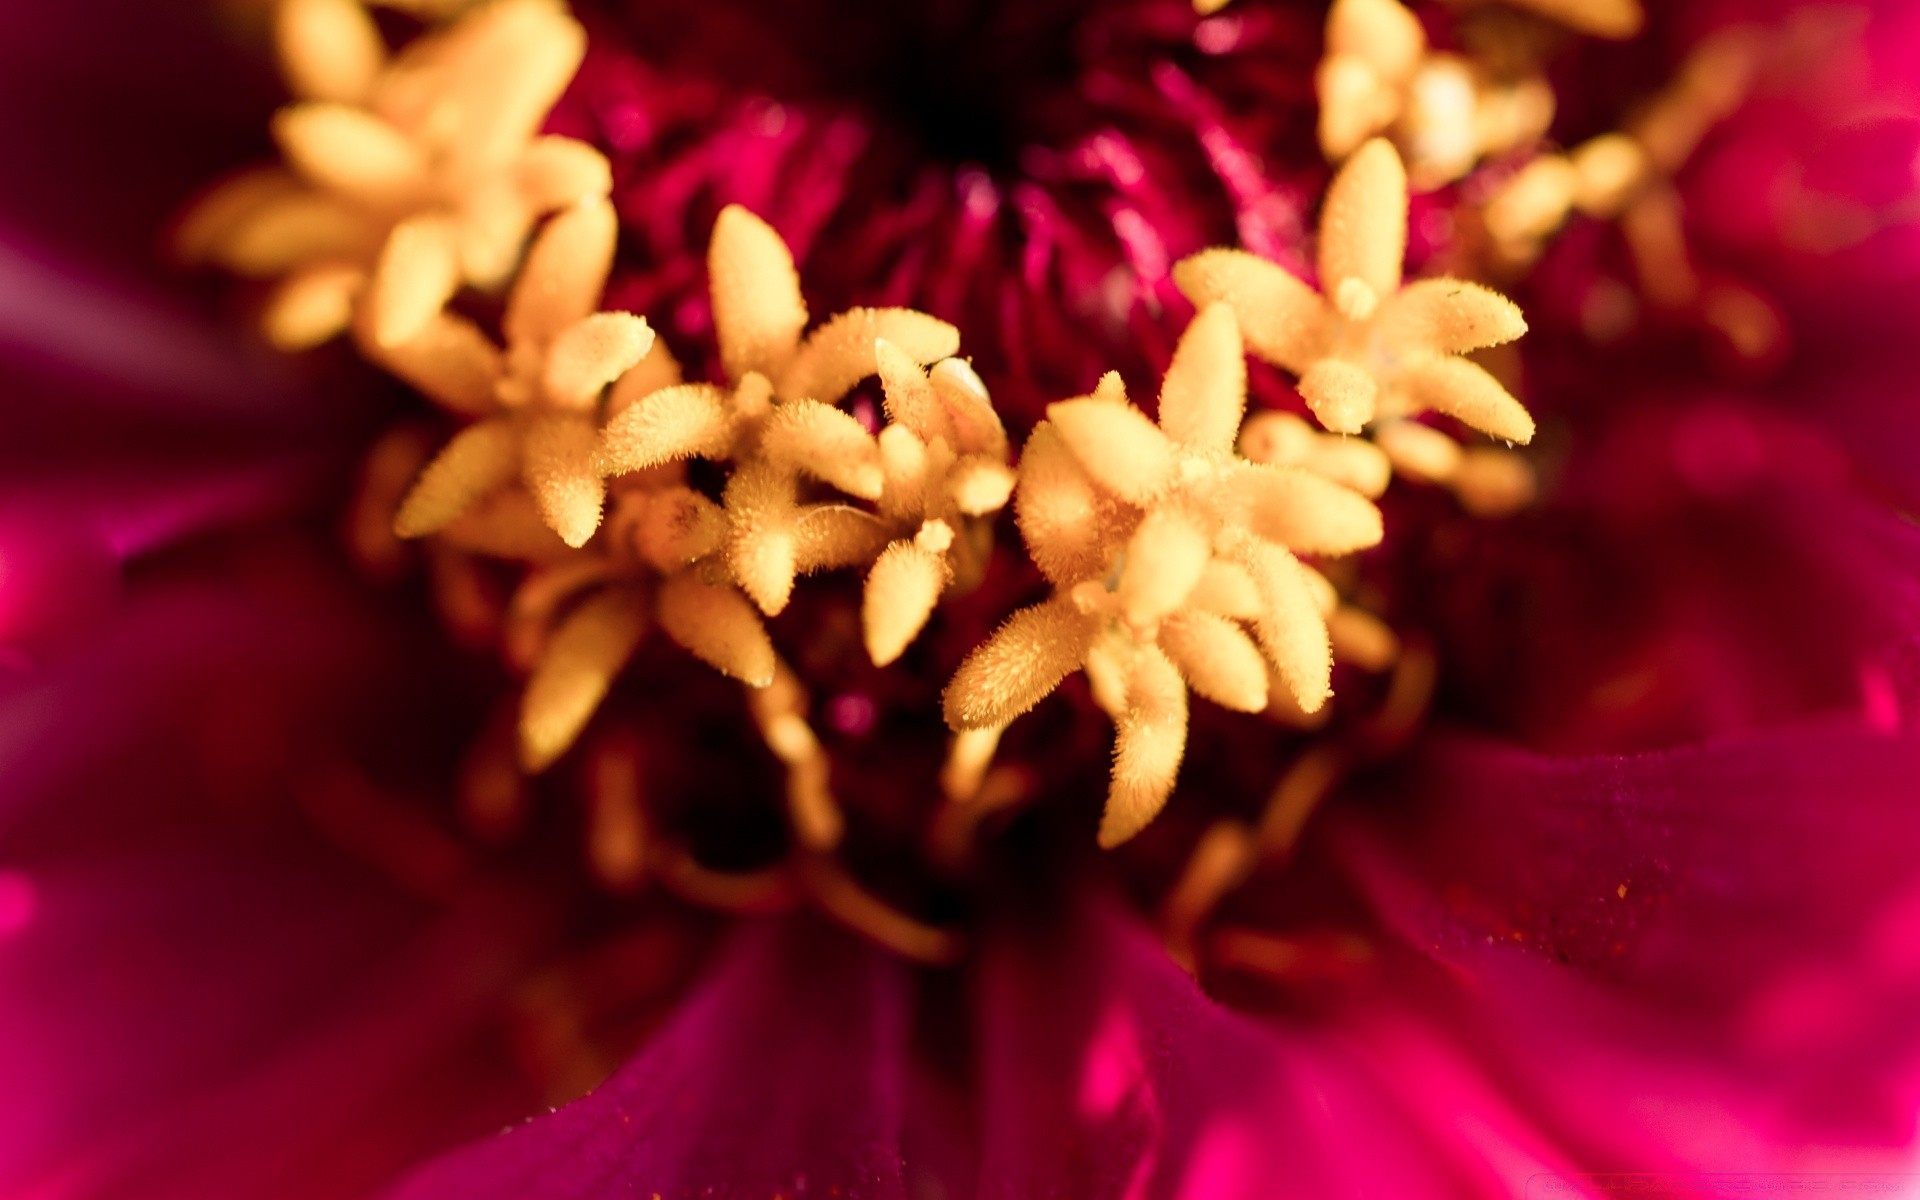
{"type": "Point", "coordinates": [1196, 550]}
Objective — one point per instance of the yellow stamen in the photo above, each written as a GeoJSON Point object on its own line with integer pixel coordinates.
{"type": "Point", "coordinates": [1293, 800]}
{"type": "Point", "coordinates": [581, 660]}
{"type": "Point", "coordinates": [745, 892]}
{"type": "Point", "coordinates": [968, 756]}
{"type": "Point", "coordinates": [718, 626]}
{"type": "Point", "coordinates": [1019, 666]}
{"type": "Point", "coordinates": [329, 49]}
{"type": "Point", "coordinates": [1217, 658]}
{"type": "Point", "coordinates": [311, 306]}
{"type": "Point", "coordinates": [902, 589]}
{"type": "Point", "coordinates": [861, 911]}
{"type": "Point", "coordinates": [1221, 860]}
{"type": "Point", "coordinates": [779, 709]}
{"type": "Point", "coordinates": [757, 310]}
{"type": "Point", "coordinates": [1150, 739]}
{"type": "Point", "coordinates": [617, 837]}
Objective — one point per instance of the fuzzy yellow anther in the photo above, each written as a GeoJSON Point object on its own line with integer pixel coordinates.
{"type": "Point", "coordinates": [1173, 563]}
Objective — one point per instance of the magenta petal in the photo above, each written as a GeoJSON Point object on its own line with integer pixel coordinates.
{"type": "Point", "coordinates": [783, 1073]}
{"type": "Point", "coordinates": [1689, 874]}
{"type": "Point", "coordinates": [199, 997]}
{"type": "Point", "coordinates": [1106, 1073]}
{"type": "Point", "coordinates": [1747, 897]}
{"type": "Point", "coordinates": [130, 413]}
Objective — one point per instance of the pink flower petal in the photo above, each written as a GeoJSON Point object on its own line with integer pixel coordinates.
{"type": "Point", "coordinates": [782, 1074]}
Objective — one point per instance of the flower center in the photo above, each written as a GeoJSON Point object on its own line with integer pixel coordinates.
{"type": "Point", "coordinates": [770, 626]}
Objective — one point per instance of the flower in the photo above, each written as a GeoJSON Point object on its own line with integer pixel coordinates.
{"type": "Point", "coordinates": [535, 400]}
{"type": "Point", "coordinates": [778, 420]}
{"type": "Point", "coordinates": [1447, 112]}
{"type": "Point", "coordinates": [1380, 352]}
{"type": "Point", "coordinates": [1600, 859]}
{"type": "Point", "coordinates": [410, 175]}
{"type": "Point", "coordinates": [1159, 541]}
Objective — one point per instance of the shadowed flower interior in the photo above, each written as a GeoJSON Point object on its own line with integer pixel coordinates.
{"type": "Point", "coordinates": [1210, 547]}
{"type": "Point", "coordinates": [1177, 561]}
{"type": "Point", "coordinates": [993, 453]}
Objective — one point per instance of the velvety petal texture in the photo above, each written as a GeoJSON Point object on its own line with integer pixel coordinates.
{"type": "Point", "coordinates": [1749, 904]}
{"type": "Point", "coordinates": [1640, 893]}
{"type": "Point", "coordinates": [783, 1072]}
{"type": "Point", "coordinates": [198, 997]}
{"type": "Point", "coordinates": [1105, 1073]}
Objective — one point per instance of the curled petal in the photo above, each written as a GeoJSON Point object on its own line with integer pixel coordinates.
{"type": "Point", "coordinates": [687, 421]}
{"type": "Point", "coordinates": [417, 273]}
{"type": "Point", "coordinates": [350, 151]}
{"type": "Point", "coordinates": [559, 172]}
{"type": "Point", "coordinates": [1282, 319]}
{"type": "Point", "coordinates": [718, 626]}
{"type": "Point", "coordinates": [1165, 557]}
{"type": "Point", "coordinates": [1217, 659]}
{"type": "Point", "coordinates": [566, 268]}
{"type": "Point", "coordinates": [1470, 396]}
{"type": "Point", "coordinates": [558, 469]}
{"type": "Point", "coordinates": [1204, 393]}
{"type": "Point", "coordinates": [902, 589]}
{"type": "Point", "coordinates": [1306, 512]}
{"type": "Point", "coordinates": [1342, 396]}
{"type": "Point", "coordinates": [806, 435]}
{"type": "Point", "coordinates": [1150, 739]}
{"type": "Point", "coordinates": [1290, 628]}
{"type": "Point", "coordinates": [329, 49]}
{"type": "Point", "coordinates": [581, 660]}
{"type": "Point", "coordinates": [1363, 226]}
{"type": "Point", "coordinates": [1450, 316]}
{"type": "Point", "coordinates": [479, 459]}
{"type": "Point", "coordinates": [1019, 666]}
{"type": "Point", "coordinates": [840, 353]}
{"type": "Point", "coordinates": [590, 354]}
{"type": "Point", "coordinates": [1068, 527]}
{"type": "Point", "coordinates": [1117, 446]}
{"type": "Point", "coordinates": [757, 310]}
